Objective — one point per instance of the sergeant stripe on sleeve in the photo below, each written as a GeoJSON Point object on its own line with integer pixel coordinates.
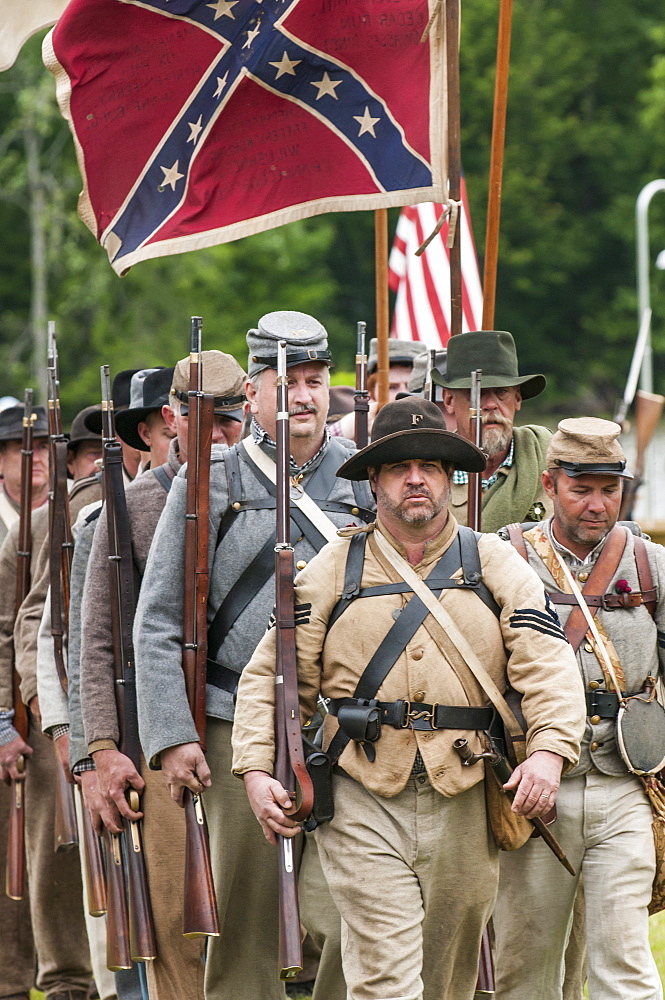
{"type": "Point", "coordinates": [661, 640]}
{"type": "Point", "coordinates": [302, 615]}
{"type": "Point", "coordinates": [546, 622]}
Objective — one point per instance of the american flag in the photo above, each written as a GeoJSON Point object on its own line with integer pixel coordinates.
{"type": "Point", "coordinates": [198, 122]}
{"type": "Point", "coordinates": [422, 284]}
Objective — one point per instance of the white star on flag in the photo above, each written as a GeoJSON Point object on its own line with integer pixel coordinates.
{"type": "Point", "coordinates": [366, 123]}
{"type": "Point", "coordinates": [326, 86]}
{"type": "Point", "coordinates": [221, 83]}
{"type": "Point", "coordinates": [195, 127]}
{"type": "Point", "coordinates": [251, 35]}
{"type": "Point", "coordinates": [171, 175]}
{"type": "Point", "coordinates": [285, 65]}
{"type": "Point", "coordinates": [223, 8]}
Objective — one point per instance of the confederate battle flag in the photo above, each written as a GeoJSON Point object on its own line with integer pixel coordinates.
{"type": "Point", "coordinates": [199, 122]}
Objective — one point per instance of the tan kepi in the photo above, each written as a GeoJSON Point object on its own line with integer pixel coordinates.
{"type": "Point", "coordinates": [222, 376]}
{"type": "Point", "coordinates": [584, 446]}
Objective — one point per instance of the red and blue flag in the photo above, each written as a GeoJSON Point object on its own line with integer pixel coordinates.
{"type": "Point", "coordinates": [201, 121]}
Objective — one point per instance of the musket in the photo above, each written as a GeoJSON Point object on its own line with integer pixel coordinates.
{"type": "Point", "coordinates": [121, 577]}
{"type": "Point", "coordinates": [200, 917]}
{"type": "Point", "coordinates": [429, 388]}
{"type": "Point", "coordinates": [93, 864]}
{"type": "Point", "coordinates": [60, 557]}
{"type": "Point", "coordinates": [15, 875]}
{"type": "Point", "coordinates": [290, 769]}
{"type": "Point", "coordinates": [475, 496]}
{"type": "Point", "coordinates": [361, 398]}
{"type": "Point", "coordinates": [503, 771]}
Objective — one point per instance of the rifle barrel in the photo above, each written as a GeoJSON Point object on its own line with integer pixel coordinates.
{"type": "Point", "coordinates": [475, 494]}
{"type": "Point", "coordinates": [361, 398]}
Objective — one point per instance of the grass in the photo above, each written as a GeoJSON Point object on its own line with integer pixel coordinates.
{"type": "Point", "coordinates": [657, 926]}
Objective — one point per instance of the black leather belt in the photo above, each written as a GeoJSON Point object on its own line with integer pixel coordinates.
{"type": "Point", "coordinates": [222, 677]}
{"type": "Point", "coordinates": [404, 714]}
{"type": "Point", "coordinates": [604, 704]}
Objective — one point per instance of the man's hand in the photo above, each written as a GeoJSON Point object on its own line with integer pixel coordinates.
{"type": "Point", "coordinates": [271, 804]}
{"type": "Point", "coordinates": [12, 763]}
{"type": "Point", "coordinates": [536, 782]}
{"type": "Point", "coordinates": [62, 753]}
{"type": "Point", "coordinates": [116, 774]}
{"type": "Point", "coordinates": [185, 766]}
{"type": "Point", "coordinates": [95, 803]}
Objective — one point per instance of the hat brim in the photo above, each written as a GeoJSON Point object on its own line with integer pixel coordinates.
{"type": "Point", "coordinates": [529, 385]}
{"type": "Point", "coordinates": [428, 443]}
{"type": "Point", "coordinates": [127, 425]}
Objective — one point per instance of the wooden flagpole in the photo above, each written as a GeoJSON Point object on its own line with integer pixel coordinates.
{"type": "Point", "coordinates": [496, 163]}
{"type": "Point", "coordinates": [454, 162]}
{"type": "Point", "coordinates": [381, 285]}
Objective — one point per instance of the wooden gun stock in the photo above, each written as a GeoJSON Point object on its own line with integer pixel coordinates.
{"type": "Point", "coordinates": [66, 832]}
{"type": "Point", "coordinates": [95, 875]}
{"type": "Point", "coordinates": [15, 880]}
{"type": "Point", "coordinates": [118, 952]}
{"type": "Point", "coordinates": [142, 946]}
{"type": "Point", "coordinates": [648, 410]}
{"type": "Point", "coordinates": [200, 917]}
{"type": "Point", "coordinates": [486, 982]}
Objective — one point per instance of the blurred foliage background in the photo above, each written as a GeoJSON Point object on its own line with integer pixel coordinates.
{"type": "Point", "coordinates": [585, 133]}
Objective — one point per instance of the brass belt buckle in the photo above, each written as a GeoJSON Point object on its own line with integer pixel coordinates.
{"type": "Point", "coordinates": [423, 715]}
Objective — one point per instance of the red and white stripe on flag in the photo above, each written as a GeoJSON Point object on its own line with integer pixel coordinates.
{"type": "Point", "coordinates": [422, 284]}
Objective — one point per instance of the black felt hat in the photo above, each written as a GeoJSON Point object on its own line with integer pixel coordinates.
{"type": "Point", "coordinates": [11, 423]}
{"type": "Point", "coordinates": [494, 353]}
{"type": "Point", "coordinates": [155, 389]}
{"type": "Point", "coordinates": [412, 428]}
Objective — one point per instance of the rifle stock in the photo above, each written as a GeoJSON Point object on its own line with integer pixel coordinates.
{"type": "Point", "coordinates": [290, 767]}
{"type": "Point", "coordinates": [95, 875]}
{"type": "Point", "coordinates": [15, 872]}
{"type": "Point", "coordinates": [66, 829]}
{"type": "Point", "coordinates": [121, 580]}
{"type": "Point", "coordinates": [118, 951]}
{"type": "Point", "coordinates": [361, 398]}
{"type": "Point", "coordinates": [200, 917]}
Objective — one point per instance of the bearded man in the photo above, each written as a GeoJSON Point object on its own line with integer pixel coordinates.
{"type": "Point", "coordinates": [512, 488]}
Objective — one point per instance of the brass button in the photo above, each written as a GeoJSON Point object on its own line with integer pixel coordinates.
{"type": "Point", "coordinates": [589, 648]}
{"type": "Point", "coordinates": [422, 778]}
{"type": "Point", "coordinates": [355, 510]}
{"type": "Point", "coordinates": [594, 720]}
{"type": "Point", "coordinates": [419, 696]}
{"type": "Point", "coordinates": [236, 505]}
{"type": "Point", "coordinates": [417, 654]}
{"type": "Point", "coordinates": [594, 685]}
{"type": "Point", "coordinates": [594, 745]}
{"type": "Point", "coordinates": [583, 577]}
{"type": "Point", "coordinates": [301, 564]}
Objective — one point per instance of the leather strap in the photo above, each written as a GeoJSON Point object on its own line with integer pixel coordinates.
{"type": "Point", "coordinates": [644, 576]}
{"type": "Point", "coordinates": [164, 475]}
{"type": "Point", "coordinates": [405, 714]}
{"type": "Point", "coordinates": [222, 677]}
{"type": "Point", "coordinates": [516, 536]}
{"type": "Point", "coordinates": [599, 580]}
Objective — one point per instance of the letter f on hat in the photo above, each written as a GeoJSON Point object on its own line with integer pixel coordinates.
{"type": "Point", "coordinates": [416, 418]}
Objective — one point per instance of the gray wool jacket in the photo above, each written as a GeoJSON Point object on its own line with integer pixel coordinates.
{"type": "Point", "coordinates": [145, 498]}
{"type": "Point", "coordinates": [164, 716]}
{"type": "Point", "coordinates": [638, 639]}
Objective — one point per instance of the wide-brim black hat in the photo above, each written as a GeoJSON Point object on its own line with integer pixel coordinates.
{"type": "Point", "coordinates": [492, 352]}
{"type": "Point", "coordinates": [155, 388]}
{"type": "Point", "coordinates": [120, 394]}
{"type": "Point", "coordinates": [412, 428]}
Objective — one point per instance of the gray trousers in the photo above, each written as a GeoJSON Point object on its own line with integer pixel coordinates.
{"type": "Point", "coordinates": [414, 878]}
{"type": "Point", "coordinates": [604, 825]}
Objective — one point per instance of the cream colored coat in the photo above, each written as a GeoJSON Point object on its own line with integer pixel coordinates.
{"type": "Point", "coordinates": [536, 660]}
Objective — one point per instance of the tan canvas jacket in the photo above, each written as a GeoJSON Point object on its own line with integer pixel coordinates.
{"type": "Point", "coordinates": [526, 646]}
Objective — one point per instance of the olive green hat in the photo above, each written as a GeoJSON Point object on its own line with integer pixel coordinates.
{"type": "Point", "coordinates": [493, 352]}
{"type": "Point", "coordinates": [412, 428]}
{"type": "Point", "coordinates": [587, 446]}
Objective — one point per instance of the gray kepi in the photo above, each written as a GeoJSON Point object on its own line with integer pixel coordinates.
{"type": "Point", "coordinates": [492, 352]}
{"type": "Point", "coordinates": [412, 428]}
{"type": "Point", "coordinates": [306, 340]}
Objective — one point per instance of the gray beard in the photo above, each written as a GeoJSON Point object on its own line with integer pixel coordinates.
{"type": "Point", "coordinates": [496, 440]}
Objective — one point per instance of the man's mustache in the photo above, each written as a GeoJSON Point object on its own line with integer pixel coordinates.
{"type": "Point", "coordinates": [305, 408]}
{"type": "Point", "coordinates": [494, 418]}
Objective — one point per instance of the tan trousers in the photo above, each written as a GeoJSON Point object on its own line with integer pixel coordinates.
{"type": "Point", "coordinates": [17, 950]}
{"type": "Point", "coordinates": [414, 878]}
{"type": "Point", "coordinates": [177, 972]}
{"type": "Point", "coordinates": [320, 916]}
{"type": "Point", "coordinates": [604, 826]}
{"type": "Point", "coordinates": [56, 892]}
